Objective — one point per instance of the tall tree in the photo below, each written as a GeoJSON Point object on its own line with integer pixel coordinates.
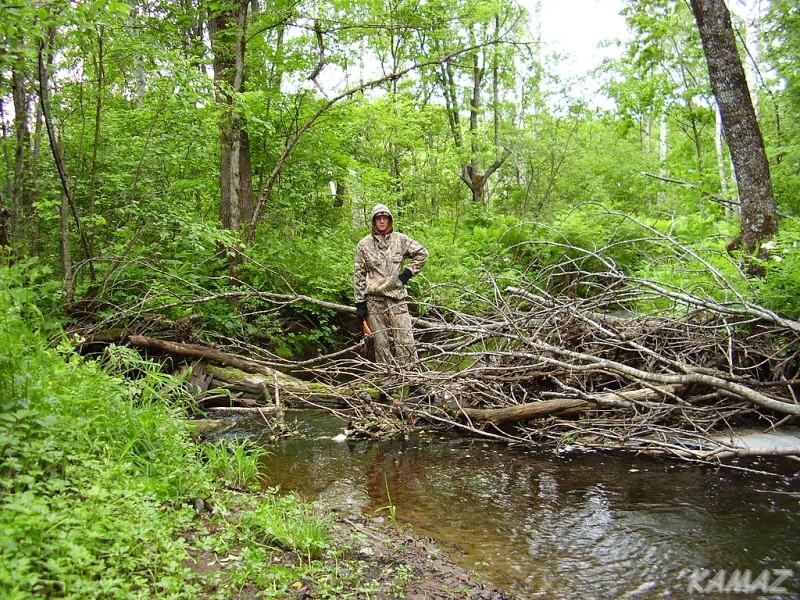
{"type": "Point", "coordinates": [463, 82]}
{"type": "Point", "coordinates": [664, 70]}
{"type": "Point", "coordinates": [16, 42]}
{"type": "Point", "coordinates": [3, 225]}
{"type": "Point", "coordinates": [782, 34]}
{"type": "Point", "coordinates": [742, 133]}
{"type": "Point", "coordinates": [22, 135]}
{"type": "Point", "coordinates": [68, 205]}
{"type": "Point", "coordinates": [227, 25]}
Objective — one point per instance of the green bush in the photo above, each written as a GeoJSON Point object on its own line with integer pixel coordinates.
{"type": "Point", "coordinates": [778, 289]}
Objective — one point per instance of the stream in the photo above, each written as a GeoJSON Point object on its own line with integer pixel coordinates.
{"type": "Point", "coordinates": [568, 525]}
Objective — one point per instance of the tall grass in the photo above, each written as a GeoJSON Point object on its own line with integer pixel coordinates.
{"type": "Point", "coordinates": [234, 462]}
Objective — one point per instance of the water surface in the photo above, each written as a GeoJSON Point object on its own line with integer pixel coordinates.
{"type": "Point", "coordinates": [544, 525]}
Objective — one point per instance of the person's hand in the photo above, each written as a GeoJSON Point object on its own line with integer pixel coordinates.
{"type": "Point", "coordinates": [361, 310]}
{"type": "Point", "coordinates": [405, 276]}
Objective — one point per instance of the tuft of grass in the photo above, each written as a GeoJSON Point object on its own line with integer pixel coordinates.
{"type": "Point", "coordinates": [292, 525]}
{"type": "Point", "coordinates": [391, 508]}
{"type": "Point", "coordinates": [235, 462]}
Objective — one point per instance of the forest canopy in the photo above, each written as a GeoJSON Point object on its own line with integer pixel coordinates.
{"type": "Point", "coordinates": [162, 151]}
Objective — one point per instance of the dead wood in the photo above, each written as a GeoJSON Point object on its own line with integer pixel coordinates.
{"type": "Point", "coordinates": [646, 366]}
{"type": "Point", "coordinates": [259, 410]}
{"type": "Point", "coordinates": [279, 387]}
{"type": "Point", "coordinates": [563, 406]}
{"type": "Point", "coordinates": [228, 400]}
{"type": "Point", "coordinates": [200, 351]}
{"type": "Point", "coordinates": [525, 412]}
{"type": "Point", "coordinates": [252, 383]}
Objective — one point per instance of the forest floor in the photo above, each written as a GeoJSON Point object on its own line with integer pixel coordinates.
{"type": "Point", "coordinates": [372, 558]}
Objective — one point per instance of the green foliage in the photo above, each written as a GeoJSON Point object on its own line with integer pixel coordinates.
{"type": "Point", "coordinates": [32, 294]}
{"type": "Point", "coordinates": [234, 462]}
{"type": "Point", "coordinates": [470, 255]}
{"type": "Point", "coordinates": [778, 289]}
{"type": "Point", "coordinates": [97, 474]}
{"type": "Point", "coordinates": [91, 484]}
{"type": "Point", "coordinates": [780, 124]}
{"type": "Point", "coordinates": [292, 526]}
{"type": "Point", "coordinates": [145, 380]}
{"type": "Point", "coordinates": [588, 239]}
{"type": "Point", "coordinates": [591, 247]}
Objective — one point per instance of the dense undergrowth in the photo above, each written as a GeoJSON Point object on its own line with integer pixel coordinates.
{"type": "Point", "coordinates": [100, 482]}
{"type": "Point", "coordinates": [474, 255]}
{"type": "Point", "coordinates": [94, 483]}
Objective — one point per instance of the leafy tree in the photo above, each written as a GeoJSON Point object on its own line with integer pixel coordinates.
{"type": "Point", "coordinates": [782, 40]}
{"type": "Point", "coordinates": [227, 26]}
{"type": "Point", "coordinates": [482, 27]}
{"type": "Point", "coordinates": [664, 86]}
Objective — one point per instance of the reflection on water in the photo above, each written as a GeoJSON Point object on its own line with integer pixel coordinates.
{"type": "Point", "coordinates": [548, 526]}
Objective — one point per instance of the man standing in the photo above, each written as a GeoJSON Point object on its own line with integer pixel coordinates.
{"type": "Point", "coordinates": [379, 283]}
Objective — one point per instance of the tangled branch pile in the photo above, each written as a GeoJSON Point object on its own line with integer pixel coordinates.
{"type": "Point", "coordinates": [558, 371]}
{"type": "Point", "coordinates": [590, 357]}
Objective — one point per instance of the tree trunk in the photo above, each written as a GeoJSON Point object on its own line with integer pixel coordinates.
{"type": "Point", "coordinates": [22, 142]}
{"type": "Point", "coordinates": [470, 172]}
{"type": "Point", "coordinates": [8, 184]}
{"type": "Point", "coordinates": [256, 379]}
{"type": "Point", "coordinates": [3, 226]}
{"type": "Point", "coordinates": [751, 168]}
{"type": "Point", "coordinates": [663, 149]}
{"type": "Point", "coordinates": [98, 111]}
{"type": "Point", "coordinates": [66, 251]}
{"type": "Point", "coordinates": [36, 153]}
{"type": "Point", "coordinates": [721, 160]}
{"type": "Point", "coordinates": [227, 31]}
{"type": "Point", "coordinates": [496, 90]}
{"type": "Point", "coordinates": [564, 406]}
{"type": "Point", "coordinates": [58, 158]}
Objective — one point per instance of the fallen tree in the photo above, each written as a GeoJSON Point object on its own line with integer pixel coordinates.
{"type": "Point", "coordinates": [561, 407]}
{"type": "Point", "coordinates": [255, 383]}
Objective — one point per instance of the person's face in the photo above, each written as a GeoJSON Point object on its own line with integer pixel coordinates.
{"type": "Point", "coordinates": [382, 223]}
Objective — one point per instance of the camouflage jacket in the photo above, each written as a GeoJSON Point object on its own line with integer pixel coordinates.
{"type": "Point", "coordinates": [379, 262]}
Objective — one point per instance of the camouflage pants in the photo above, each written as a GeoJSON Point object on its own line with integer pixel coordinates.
{"type": "Point", "coordinates": [390, 323]}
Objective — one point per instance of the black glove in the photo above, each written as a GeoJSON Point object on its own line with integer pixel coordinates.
{"type": "Point", "coordinates": [405, 276]}
{"type": "Point", "coordinates": [361, 310]}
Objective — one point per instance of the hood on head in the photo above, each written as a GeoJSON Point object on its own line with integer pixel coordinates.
{"type": "Point", "coordinates": [381, 209]}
